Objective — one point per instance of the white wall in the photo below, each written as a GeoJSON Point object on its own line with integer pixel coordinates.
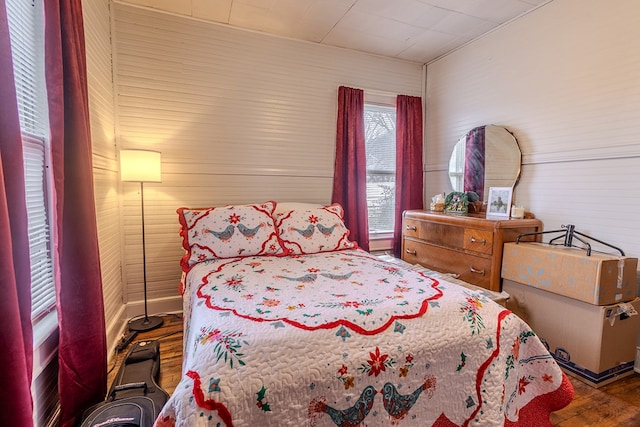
{"type": "Point", "coordinates": [565, 80]}
{"type": "Point", "coordinates": [242, 117]}
{"type": "Point", "coordinates": [238, 116]}
{"type": "Point", "coordinates": [96, 15]}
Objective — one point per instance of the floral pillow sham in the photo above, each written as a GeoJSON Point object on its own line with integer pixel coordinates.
{"type": "Point", "coordinates": [226, 232]}
{"type": "Point", "coordinates": [308, 231]}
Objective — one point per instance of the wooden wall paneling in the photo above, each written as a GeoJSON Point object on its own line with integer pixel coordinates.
{"type": "Point", "coordinates": [239, 116]}
{"type": "Point", "coordinates": [563, 79]}
{"type": "Point", "coordinates": [97, 20]}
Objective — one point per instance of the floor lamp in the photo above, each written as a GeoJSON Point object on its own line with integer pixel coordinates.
{"type": "Point", "coordinates": [142, 166]}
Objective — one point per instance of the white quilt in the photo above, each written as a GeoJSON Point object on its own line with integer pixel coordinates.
{"type": "Point", "coordinates": [346, 339]}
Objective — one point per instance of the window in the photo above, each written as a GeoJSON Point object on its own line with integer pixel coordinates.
{"type": "Point", "coordinates": [27, 46]}
{"type": "Point", "coordinates": [380, 143]}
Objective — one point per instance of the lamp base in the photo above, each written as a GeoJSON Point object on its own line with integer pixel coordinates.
{"type": "Point", "coordinates": [146, 323]}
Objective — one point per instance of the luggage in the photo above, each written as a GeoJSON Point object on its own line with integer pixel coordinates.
{"type": "Point", "coordinates": [135, 398]}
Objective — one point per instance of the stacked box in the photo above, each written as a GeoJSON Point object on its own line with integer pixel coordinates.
{"type": "Point", "coordinates": [583, 308]}
{"type": "Point", "coordinates": [598, 279]}
{"type": "Point", "coordinates": [594, 343]}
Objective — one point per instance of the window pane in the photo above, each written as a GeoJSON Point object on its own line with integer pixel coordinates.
{"type": "Point", "coordinates": [380, 137]}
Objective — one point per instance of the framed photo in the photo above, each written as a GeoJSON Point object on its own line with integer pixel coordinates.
{"type": "Point", "coordinates": [499, 202]}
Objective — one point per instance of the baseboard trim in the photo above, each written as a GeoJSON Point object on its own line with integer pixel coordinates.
{"type": "Point", "coordinates": [154, 307]}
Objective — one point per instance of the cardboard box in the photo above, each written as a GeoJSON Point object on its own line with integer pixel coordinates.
{"type": "Point", "coordinates": [595, 344]}
{"type": "Point", "coordinates": [598, 279]}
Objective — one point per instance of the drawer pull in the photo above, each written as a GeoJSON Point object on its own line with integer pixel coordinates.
{"type": "Point", "coordinates": [481, 241]}
{"type": "Point", "coordinates": [473, 270]}
{"type": "Point", "coordinates": [410, 252]}
{"type": "Point", "coordinates": [411, 227]}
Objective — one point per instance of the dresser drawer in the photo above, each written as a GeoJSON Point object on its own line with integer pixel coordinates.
{"type": "Point", "coordinates": [469, 268]}
{"type": "Point", "coordinates": [411, 227]}
{"type": "Point", "coordinates": [480, 241]}
{"type": "Point", "coordinates": [442, 234]}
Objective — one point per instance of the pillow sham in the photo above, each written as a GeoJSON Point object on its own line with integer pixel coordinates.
{"type": "Point", "coordinates": [227, 232]}
{"type": "Point", "coordinates": [309, 231]}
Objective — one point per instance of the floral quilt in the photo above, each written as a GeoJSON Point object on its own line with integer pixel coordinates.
{"type": "Point", "coordinates": [346, 339]}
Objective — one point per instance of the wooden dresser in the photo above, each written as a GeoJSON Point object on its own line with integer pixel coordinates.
{"type": "Point", "coordinates": [467, 245]}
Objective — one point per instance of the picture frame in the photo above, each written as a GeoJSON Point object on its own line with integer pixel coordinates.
{"type": "Point", "coordinates": [499, 202]}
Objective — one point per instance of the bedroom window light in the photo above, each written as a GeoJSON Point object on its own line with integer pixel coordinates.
{"type": "Point", "coordinates": [380, 143]}
{"type": "Point", "coordinates": [27, 46]}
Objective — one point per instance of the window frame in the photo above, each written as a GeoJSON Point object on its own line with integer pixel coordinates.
{"type": "Point", "coordinates": [26, 29]}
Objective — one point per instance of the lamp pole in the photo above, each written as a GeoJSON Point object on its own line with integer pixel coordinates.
{"type": "Point", "coordinates": [145, 323]}
{"type": "Point", "coordinates": [142, 166]}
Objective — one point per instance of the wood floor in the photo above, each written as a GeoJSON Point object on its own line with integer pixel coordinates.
{"type": "Point", "coordinates": [170, 337]}
{"type": "Point", "coordinates": [614, 405]}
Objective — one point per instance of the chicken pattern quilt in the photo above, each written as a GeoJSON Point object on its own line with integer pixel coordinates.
{"type": "Point", "coordinates": [346, 339]}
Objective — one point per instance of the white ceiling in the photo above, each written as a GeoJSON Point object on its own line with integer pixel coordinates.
{"type": "Point", "coordinates": [414, 30]}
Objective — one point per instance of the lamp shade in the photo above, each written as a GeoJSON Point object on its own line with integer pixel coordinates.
{"type": "Point", "coordinates": [140, 166]}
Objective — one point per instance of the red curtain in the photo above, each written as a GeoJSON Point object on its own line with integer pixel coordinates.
{"type": "Point", "coordinates": [350, 172]}
{"type": "Point", "coordinates": [409, 177]}
{"type": "Point", "coordinates": [16, 357]}
{"type": "Point", "coordinates": [83, 349]}
{"type": "Point", "coordinates": [474, 161]}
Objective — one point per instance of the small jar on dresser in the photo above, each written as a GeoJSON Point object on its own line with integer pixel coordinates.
{"type": "Point", "coordinates": [468, 245]}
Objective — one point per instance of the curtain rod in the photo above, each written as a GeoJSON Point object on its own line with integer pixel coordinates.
{"type": "Point", "coordinates": [380, 92]}
{"type": "Point", "coordinates": [372, 91]}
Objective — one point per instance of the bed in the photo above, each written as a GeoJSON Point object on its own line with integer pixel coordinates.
{"type": "Point", "coordinates": [288, 323]}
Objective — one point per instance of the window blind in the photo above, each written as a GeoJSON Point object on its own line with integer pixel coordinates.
{"type": "Point", "coordinates": [380, 140]}
{"type": "Point", "coordinates": [42, 284]}
{"type": "Point", "coordinates": [27, 48]}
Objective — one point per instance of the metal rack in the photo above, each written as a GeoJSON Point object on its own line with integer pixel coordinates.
{"type": "Point", "coordinates": [569, 233]}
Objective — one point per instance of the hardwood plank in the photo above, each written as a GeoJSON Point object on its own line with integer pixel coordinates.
{"type": "Point", "coordinates": [614, 405]}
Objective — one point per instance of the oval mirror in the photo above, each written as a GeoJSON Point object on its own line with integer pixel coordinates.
{"type": "Point", "coordinates": [486, 156]}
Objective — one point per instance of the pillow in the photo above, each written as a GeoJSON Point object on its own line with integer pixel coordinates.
{"type": "Point", "coordinates": [226, 232]}
{"type": "Point", "coordinates": [313, 230]}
